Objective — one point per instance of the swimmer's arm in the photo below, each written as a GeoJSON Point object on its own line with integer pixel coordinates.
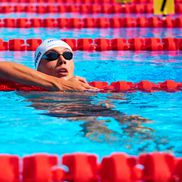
{"type": "Point", "coordinates": [24, 75]}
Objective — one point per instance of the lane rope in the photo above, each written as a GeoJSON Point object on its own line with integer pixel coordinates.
{"type": "Point", "coordinates": [115, 22]}
{"type": "Point", "coordinates": [77, 1]}
{"type": "Point", "coordinates": [84, 8]}
{"type": "Point", "coordinates": [118, 86]}
{"type": "Point", "coordinates": [100, 44]}
{"type": "Point", "coordinates": [84, 167]}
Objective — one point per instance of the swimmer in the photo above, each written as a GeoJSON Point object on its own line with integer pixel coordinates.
{"type": "Point", "coordinates": [54, 69]}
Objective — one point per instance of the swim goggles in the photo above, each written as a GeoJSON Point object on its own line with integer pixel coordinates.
{"type": "Point", "coordinates": [53, 55]}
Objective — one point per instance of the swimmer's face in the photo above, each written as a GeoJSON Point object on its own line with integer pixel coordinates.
{"type": "Point", "coordinates": [60, 67]}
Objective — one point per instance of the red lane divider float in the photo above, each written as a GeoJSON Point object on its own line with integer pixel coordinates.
{"type": "Point", "coordinates": [151, 1]}
{"type": "Point", "coordinates": [60, 1]}
{"type": "Point", "coordinates": [78, 1]}
{"type": "Point", "coordinates": [100, 44]}
{"type": "Point", "coordinates": [115, 22]}
{"type": "Point", "coordinates": [119, 86]}
{"type": "Point", "coordinates": [83, 167]}
{"type": "Point", "coordinates": [84, 8]}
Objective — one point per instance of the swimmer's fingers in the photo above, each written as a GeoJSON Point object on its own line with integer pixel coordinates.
{"type": "Point", "coordinates": [86, 84]}
{"type": "Point", "coordinates": [75, 84]}
{"type": "Point", "coordinates": [90, 88]}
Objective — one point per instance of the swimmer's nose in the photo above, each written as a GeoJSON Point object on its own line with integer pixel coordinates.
{"type": "Point", "coordinates": [61, 60]}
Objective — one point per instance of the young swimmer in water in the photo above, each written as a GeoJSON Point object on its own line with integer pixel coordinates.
{"type": "Point", "coordinates": [55, 69]}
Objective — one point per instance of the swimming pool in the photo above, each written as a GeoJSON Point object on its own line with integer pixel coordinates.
{"type": "Point", "coordinates": [136, 126]}
{"type": "Point", "coordinates": [99, 123]}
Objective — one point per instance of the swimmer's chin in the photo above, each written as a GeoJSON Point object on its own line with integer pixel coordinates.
{"type": "Point", "coordinates": [65, 77]}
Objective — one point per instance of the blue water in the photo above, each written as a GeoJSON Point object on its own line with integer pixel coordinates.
{"type": "Point", "coordinates": [99, 123]}
{"type": "Point", "coordinates": [76, 15]}
{"type": "Point", "coordinates": [93, 123]}
{"type": "Point", "coordinates": [43, 33]}
{"type": "Point", "coordinates": [116, 65]}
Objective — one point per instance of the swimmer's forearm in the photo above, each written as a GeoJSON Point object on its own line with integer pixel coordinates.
{"type": "Point", "coordinates": [22, 74]}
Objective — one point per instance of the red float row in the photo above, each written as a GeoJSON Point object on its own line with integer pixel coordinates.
{"type": "Point", "coordinates": [58, 1]}
{"type": "Point", "coordinates": [150, 1]}
{"type": "Point", "coordinates": [84, 8]}
{"type": "Point", "coordinates": [82, 167]}
{"type": "Point", "coordinates": [77, 1]}
{"type": "Point", "coordinates": [145, 86]}
{"type": "Point", "coordinates": [115, 22]}
{"type": "Point", "coordinates": [119, 86]}
{"type": "Point", "coordinates": [101, 44]}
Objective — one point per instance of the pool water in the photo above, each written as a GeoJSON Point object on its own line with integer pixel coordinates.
{"type": "Point", "coordinates": [76, 15]}
{"type": "Point", "coordinates": [24, 33]}
{"type": "Point", "coordinates": [101, 123]}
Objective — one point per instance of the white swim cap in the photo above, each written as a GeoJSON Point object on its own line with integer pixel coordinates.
{"type": "Point", "coordinates": [47, 45]}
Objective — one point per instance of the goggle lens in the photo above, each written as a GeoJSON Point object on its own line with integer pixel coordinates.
{"type": "Point", "coordinates": [53, 55]}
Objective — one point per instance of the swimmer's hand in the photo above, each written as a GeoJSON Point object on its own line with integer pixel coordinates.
{"type": "Point", "coordinates": [74, 84]}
